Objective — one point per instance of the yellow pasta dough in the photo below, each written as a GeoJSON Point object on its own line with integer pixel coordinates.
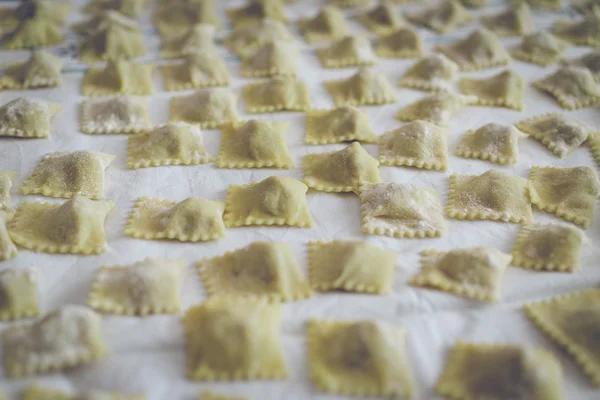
{"type": "Point", "coordinates": [114, 115]}
{"type": "Point", "coordinates": [118, 77]}
{"type": "Point", "coordinates": [200, 37]}
{"type": "Point", "coordinates": [568, 193]}
{"type": "Point", "coordinates": [41, 70]}
{"type": "Point", "coordinates": [366, 87]}
{"type": "Point", "coordinates": [493, 142]}
{"type": "Point", "coordinates": [38, 392]}
{"type": "Point", "coordinates": [256, 11]}
{"type": "Point", "coordinates": [500, 372]}
{"type": "Point", "coordinates": [474, 3]}
{"type": "Point", "coordinates": [594, 142]}
{"type": "Point", "coordinates": [190, 220]}
{"type": "Point", "coordinates": [476, 272]}
{"type": "Point", "coordinates": [276, 200]}
{"type": "Point", "coordinates": [255, 144]}
{"type": "Point", "coordinates": [231, 339]}
{"type": "Point", "coordinates": [350, 3]}
{"type": "Point", "coordinates": [590, 60]}
{"type": "Point", "coordinates": [19, 293]}
{"type": "Point", "coordinates": [341, 171]}
{"type": "Point", "coordinates": [514, 21]}
{"type": "Point", "coordinates": [209, 108]}
{"type": "Point", "coordinates": [573, 87]}
{"type": "Point", "coordinates": [201, 68]}
{"type": "Point", "coordinates": [404, 42]}
{"type": "Point", "coordinates": [542, 4]}
{"type": "Point", "coordinates": [262, 270]}
{"type": "Point", "coordinates": [65, 338]}
{"type": "Point", "coordinates": [175, 143]}
{"type": "Point", "coordinates": [215, 396]}
{"type": "Point", "coordinates": [382, 19]}
{"type": "Point", "coordinates": [347, 52]}
{"type": "Point", "coordinates": [571, 321]}
{"type": "Point", "coordinates": [541, 48]}
{"type": "Point", "coordinates": [401, 210]}
{"type": "Point", "coordinates": [585, 7]}
{"type": "Point", "coordinates": [492, 195]}
{"type": "Point", "coordinates": [481, 49]}
{"type": "Point", "coordinates": [437, 108]}
{"type": "Point", "coordinates": [271, 59]}
{"type": "Point", "coordinates": [418, 144]}
{"type": "Point", "coordinates": [130, 8]}
{"type": "Point", "coordinates": [359, 358]}
{"type": "Point", "coordinates": [75, 226]}
{"type": "Point", "coordinates": [582, 32]}
{"type": "Point", "coordinates": [434, 73]}
{"type": "Point", "coordinates": [246, 38]}
{"type": "Point", "coordinates": [26, 117]}
{"type": "Point", "coordinates": [442, 18]}
{"type": "Point", "coordinates": [280, 93]}
{"type": "Point", "coordinates": [350, 265]}
{"type": "Point", "coordinates": [505, 89]}
{"type": "Point", "coordinates": [6, 178]}
{"type": "Point", "coordinates": [341, 124]}
{"type": "Point", "coordinates": [8, 249]}
{"type": "Point", "coordinates": [68, 174]}
{"type": "Point", "coordinates": [328, 24]}
{"type": "Point", "coordinates": [175, 19]}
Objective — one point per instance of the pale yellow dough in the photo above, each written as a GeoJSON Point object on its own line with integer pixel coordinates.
{"type": "Point", "coordinates": [590, 60]}
{"type": "Point", "coordinates": [582, 32]}
{"type": "Point", "coordinates": [115, 115]}
{"type": "Point", "coordinates": [442, 18]}
{"type": "Point", "coordinates": [246, 38]}
{"type": "Point", "coordinates": [366, 87]}
{"type": "Point", "coordinates": [505, 89]}
{"type": "Point", "coordinates": [280, 93]}
{"type": "Point", "coordinates": [271, 59]}
{"type": "Point", "coordinates": [494, 142]}
{"type": "Point", "coordinates": [19, 293]}
{"type": "Point", "coordinates": [481, 49]}
{"type": "Point", "coordinates": [542, 4]}
{"type": "Point", "coordinates": [216, 396]}
{"type": "Point", "coordinates": [118, 77]}
{"type": "Point", "coordinates": [341, 124]}
{"type": "Point", "coordinates": [201, 68]}
{"type": "Point", "coordinates": [435, 72]}
{"type": "Point", "coordinates": [208, 108]}
{"type": "Point", "coordinates": [514, 21]}
{"type": "Point", "coordinates": [130, 8]}
{"type": "Point", "coordinates": [6, 178]}
{"type": "Point", "coordinates": [348, 51]}
{"type": "Point", "coordinates": [382, 19]}
{"type": "Point", "coordinates": [257, 10]}
{"type": "Point", "coordinates": [541, 48]}
{"type": "Point", "coordinates": [200, 37]}
{"type": "Point", "coordinates": [594, 142]}
{"type": "Point", "coordinates": [26, 117]}
{"type": "Point", "coordinates": [41, 70]}
{"type": "Point", "coordinates": [37, 392]}
{"type": "Point", "coordinates": [175, 19]}
{"type": "Point", "coordinates": [573, 87]}
{"type": "Point", "coordinates": [437, 108]}
{"type": "Point", "coordinates": [328, 24]}
{"type": "Point", "coordinates": [404, 42]}
{"type": "Point", "coordinates": [8, 250]}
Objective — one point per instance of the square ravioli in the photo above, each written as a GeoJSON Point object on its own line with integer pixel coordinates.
{"type": "Point", "coordinates": [30, 118]}
{"type": "Point", "coordinates": [175, 143]}
{"type": "Point", "coordinates": [146, 287]}
{"type": "Point", "coordinates": [437, 108]}
{"type": "Point", "coordinates": [262, 270]}
{"type": "Point", "coordinates": [69, 173]}
{"type": "Point", "coordinates": [493, 142]}
{"type": "Point", "coordinates": [75, 226]}
{"type": "Point", "coordinates": [418, 144]}
{"type": "Point", "coordinates": [114, 115]}
{"type": "Point", "coordinates": [6, 178]}
{"type": "Point", "coordinates": [550, 247]}
{"type": "Point", "coordinates": [340, 171]}
{"type": "Point", "coordinates": [255, 144]}
{"type": "Point", "coordinates": [572, 87]}
{"type": "Point", "coordinates": [572, 321]}
{"type": "Point", "coordinates": [202, 68]}
{"type": "Point", "coordinates": [337, 125]}
{"type": "Point", "coordinates": [37, 392]}
{"type": "Point", "coordinates": [200, 37]}
{"type": "Point", "coordinates": [404, 42]}
{"type": "Point", "coordinates": [500, 372]}
{"type": "Point", "coordinates": [543, 4]}
{"type": "Point", "coordinates": [245, 38]}
{"type": "Point", "coordinates": [327, 25]}
{"type": "Point", "coordinates": [129, 8]}
{"type": "Point", "coordinates": [581, 32]}
{"type": "Point", "coordinates": [190, 220]}
{"type": "Point", "coordinates": [118, 77]}
{"type": "Point", "coordinates": [382, 18]}
{"type": "Point", "coordinates": [8, 250]}
{"type": "Point", "coordinates": [280, 93]}
{"type": "Point", "coordinates": [492, 195]}
{"type": "Point", "coordinates": [65, 338]}
{"type": "Point", "coordinates": [348, 51]}
{"type": "Point", "coordinates": [442, 18]}
{"type": "Point", "coordinates": [366, 87]}
{"type": "Point", "coordinates": [475, 273]}
{"type": "Point", "coordinates": [350, 265]}
{"type": "Point", "coordinates": [276, 200]}
{"type": "Point", "coordinates": [401, 210]}
{"type": "Point", "coordinates": [174, 20]}
{"type": "Point", "coordinates": [19, 293]}
{"type": "Point", "coordinates": [41, 70]}
{"type": "Point", "coordinates": [481, 49]}
{"type": "Point", "coordinates": [271, 59]}
{"type": "Point", "coordinates": [568, 193]}
{"type": "Point", "coordinates": [505, 89]}
{"type": "Point", "coordinates": [256, 10]}
{"type": "Point", "coordinates": [206, 395]}
{"type": "Point", "coordinates": [558, 133]}
{"type": "Point", "coordinates": [434, 73]}
{"type": "Point", "coordinates": [541, 48]}
{"type": "Point", "coordinates": [230, 339]}
{"type": "Point", "coordinates": [209, 108]}
{"type": "Point", "coordinates": [359, 358]}
{"type": "Point", "coordinates": [514, 21]}
{"type": "Point", "coordinates": [590, 61]}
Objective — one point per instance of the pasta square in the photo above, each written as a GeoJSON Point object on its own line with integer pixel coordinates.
{"type": "Point", "coordinates": [18, 287]}
{"type": "Point", "coordinates": [211, 108]}
{"type": "Point", "coordinates": [68, 174]}
{"type": "Point", "coordinates": [481, 49]}
{"type": "Point", "coordinates": [65, 338]}
{"type": "Point", "coordinates": [571, 321]}
{"type": "Point", "coordinates": [359, 358]}
{"type": "Point", "coordinates": [568, 193]}
{"type": "Point", "coordinates": [214, 396]}
{"type": "Point", "coordinates": [37, 392]}
{"type": "Point", "coordinates": [442, 18]}
{"type": "Point", "coordinates": [6, 179]}
{"type": "Point", "coordinates": [190, 220]}
{"type": "Point", "coordinates": [401, 210]}
{"type": "Point", "coordinates": [506, 89]}
{"type": "Point", "coordinates": [142, 288]}
{"type": "Point", "coordinates": [514, 21]}
{"type": "Point", "coordinates": [262, 270]}
{"type": "Point", "coordinates": [271, 59]}
{"type": "Point", "coordinates": [573, 87]}
{"type": "Point", "coordinates": [435, 73]}
{"type": "Point", "coordinates": [202, 68]}
{"type": "Point", "coordinates": [496, 143]}
{"type": "Point", "coordinates": [199, 38]}
{"type": "Point", "coordinates": [246, 38]}
{"type": "Point", "coordinates": [437, 108]}
{"type": "Point", "coordinates": [280, 93]}
{"type": "Point", "coordinates": [582, 32]}
{"type": "Point", "coordinates": [255, 144]}
{"type": "Point", "coordinates": [348, 51]}
{"type": "Point", "coordinates": [492, 195]}
{"type": "Point", "coordinates": [327, 25]}
{"type": "Point", "coordinates": [500, 371]}
{"type": "Point", "coordinates": [403, 42]}
{"type": "Point", "coordinates": [341, 171]}
{"type": "Point", "coordinates": [338, 125]}
{"type": "Point", "coordinates": [176, 19]}
{"type": "Point", "coordinates": [118, 77]}
{"type": "Point", "coordinates": [276, 200]}
{"type": "Point", "coordinates": [23, 117]}
{"type": "Point", "coordinates": [41, 70]}
{"type": "Point", "coordinates": [130, 8]}
{"type": "Point", "coordinates": [350, 265]}
{"type": "Point", "coordinates": [418, 144]}
{"type": "Point", "coordinates": [251, 348]}
{"type": "Point", "coordinates": [475, 273]}
{"type": "Point", "coordinates": [75, 226]}
{"type": "Point", "coordinates": [257, 10]}
{"type": "Point", "coordinates": [590, 61]}
{"type": "Point", "coordinates": [366, 87]}
{"type": "Point", "coordinates": [115, 115]}
{"type": "Point", "coordinates": [541, 48]}
{"type": "Point", "coordinates": [350, 3]}
{"type": "Point", "coordinates": [8, 249]}
{"type": "Point", "coordinates": [382, 19]}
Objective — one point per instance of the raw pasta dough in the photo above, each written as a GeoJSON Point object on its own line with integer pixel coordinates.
{"type": "Point", "coordinates": [437, 108]}
{"type": "Point", "coordinates": [41, 70]}
{"type": "Point", "coordinates": [250, 37]}
{"type": "Point", "coordinates": [434, 73]}
{"type": "Point", "coordinates": [341, 124]}
{"type": "Point", "coordinates": [494, 142]}
{"type": "Point", "coordinates": [481, 49]}
{"type": "Point", "coordinates": [328, 24]}
{"type": "Point", "coordinates": [583, 32]}
{"type": "Point", "coordinates": [201, 68]}
{"type": "Point", "coordinates": [19, 292]}
{"type": "Point", "coordinates": [573, 87]}
{"type": "Point", "coordinates": [366, 87]}
{"type": "Point", "coordinates": [506, 89]}
{"type": "Point", "coordinates": [382, 19]}
{"type": "Point", "coordinates": [8, 249]}
{"type": "Point", "coordinates": [26, 117]}
{"type": "Point", "coordinates": [280, 93]}
{"type": "Point", "coordinates": [272, 59]}
{"type": "Point", "coordinates": [590, 60]}
{"type": "Point", "coordinates": [442, 18]}
{"type": "Point", "coordinates": [347, 52]}
{"type": "Point", "coordinates": [209, 108]}
{"type": "Point", "coordinates": [118, 77]}
{"type": "Point", "coordinates": [200, 37]}
{"type": "Point", "coordinates": [37, 392]}
{"type": "Point", "coordinates": [257, 10]}
{"type": "Point", "coordinates": [515, 21]}
{"type": "Point", "coordinates": [541, 48]}
{"type": "Point", "coordinates": [176, 19]}
{"type": "Point", "coordinates": [6, 184]}
{"type": "Point", "coordinates": [403, 42]}
{"type": "Point", "coordinates": [115, 115]}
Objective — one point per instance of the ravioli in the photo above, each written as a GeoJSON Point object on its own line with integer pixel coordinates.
{"type": "Point", "coordinates": [214, 396]}
{"type": "Point", "coordinates": [202, 68]}
{"type": "Point", "coordinates": [505, 89]}
{"type": "Point", "coordinates": [6, 184]}
{"type": "Point", "coordinates": [481, 49]}
{"type": "Point", "coordinates": [572, 87]}
{"type": "Point", "coordinates": [493, 142]}
{"type": "Point", "coordinates": [118, 77]}
{"type": "Point", "coordinates": [189, 220]}
{"type": "Point", "coordinates": [585, 7]}
{"type": "Point", "coordinates": [26, 117]}
{"type": "Point", "coordinates": [75, 339]}
{"type": "Point", "coordinates": [176, 19]}
{"type": "Point", "coordinates": [442, 18]}
{"type": "Point", "coordinates": [337, 125]}
{"type": "Point", "coordinates": [246, 38]}
{"type": "Point", "coordinates": [209, 108]}
{"type": "Point", "coordinates": [115, 115]}
{"type": "Point", "coordinates": [328, 24]}
{"type": "Point", "coordinates": [200, 37]}
{"type": "Point", "coordinates": [404, 42]}
{"type": "Point", "coordinates": [543, 4]}
{"type": "Point", "coordinates": [541, 48]}
{"type": "Point", "coordinates": [276, 200]}
{"type": "Point", "coordinates": [41, 70]}
{"type": "Point", "coordinates": [474, 3]}
{"type": "Point", "coordinates": [271, 59]}
{"type": "Point", "coordinates": [232, 339]}
{"type": "Point", "coordinates": [350, 3]}
{"type": "Point", "coordinates": [129, 8]}
{"type": "Point", "coordinates": [590, 60]}
{"type": "Point", "coordinates": [514, 21]}
{"type": "Point", "coordinates": [382, 19]}
{"type": "Point", "coordinates": [493, 195]}
{"type": "Point", "coordinates": [366, 87]}
{"type": "Point", "coordinates": [37, 392]}
{"type": "Point", "coordinates": [257, 10]}
{"type": "Point", "coordinates": [348, 51]}
{"type": "Point", "coordinates": [437, 108]}
{"type": "Point", "coordinates": [19, 291]}
{"type": "Point", "coordinates": [359, 358]}
{"type": "Point", "coordinates": [594, 142]}
{"type": "Point", "coordinates": [280, 93]}
{"type": "Point", "coordinates": [255, 144]}
{"type": "Point", "coordinates": [568, 193]}
{"type": "Point", "coordinates": [401, 211]}
{"type": "Point", "coordinates": [175, 143]}
{"type": "Point", "coordinates": [8, 250]}
{"type": "Point", "coordinates": [433, 73]}
{"type": "Point", "coordinates": [350, 265]}
{"type": "Point", "coordinates": [582, 32]}
{"type": "Point", "coordinates": [475, 273]}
